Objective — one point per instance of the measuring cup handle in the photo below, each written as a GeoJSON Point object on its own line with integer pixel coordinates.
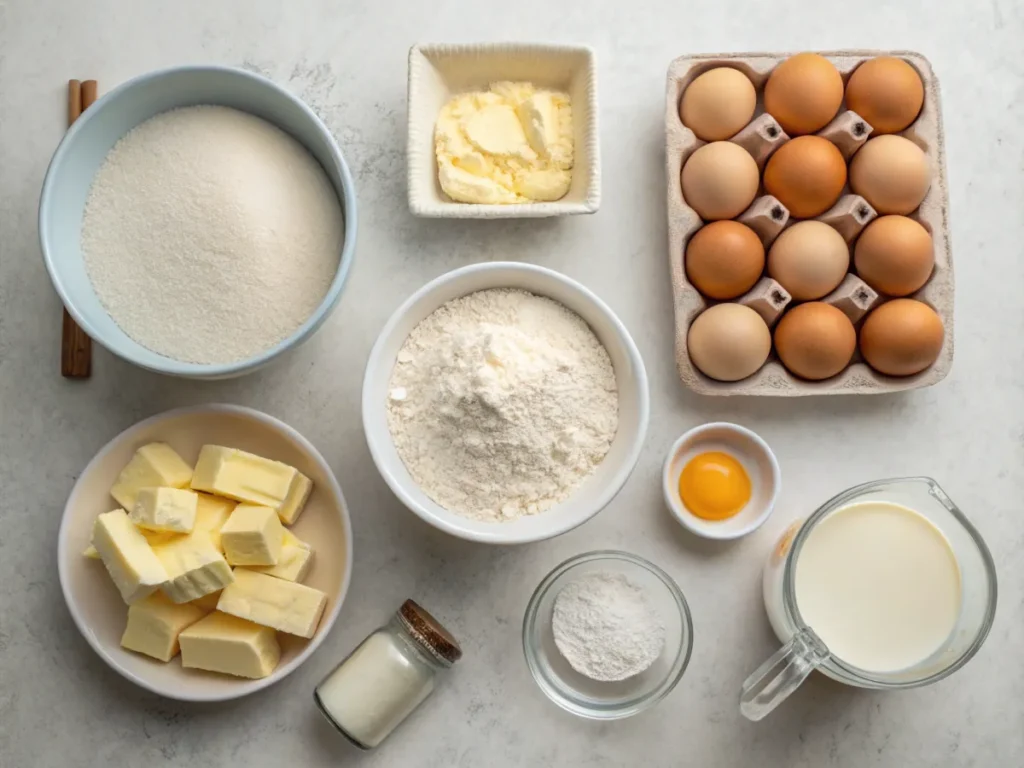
{"type": "Point", "coordinates": [782, 674]}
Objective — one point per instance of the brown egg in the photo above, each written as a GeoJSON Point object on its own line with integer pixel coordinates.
{"type": "Point", "coordinates": [724, 259]}
{"type": "Point", "coordinates": [807, 175]}
{"type": "Point", "coordinates": [894, 255]}
{"type": "Point", "coordinates": [887, 92]}
{"type": "Point", "coordinates": [720, 180]}
{"type": "Point", "coordinates": [902, 337]}
{"type": "Point", "coordinates": [815, 340]}
{"type": "Point", "coordinates": [718, 104]}
{"type": "Point", "coordinates": [891, 173]}
{"type": "Point", "coordinates": [803, 93]}
{"type": "Point", "coordinates": [809, 259]}
{"type": "Point", "coordinates": [729, 342]}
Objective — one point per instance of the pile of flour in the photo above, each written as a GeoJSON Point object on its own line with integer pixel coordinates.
{"type": "Point", "coordinates": [606, 627]}
{"type": "Point", "coordinates": [501, 403]}
{"type": "Point", "coordinates": [210, 235]}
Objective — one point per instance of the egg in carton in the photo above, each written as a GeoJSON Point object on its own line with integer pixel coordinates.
{"type": "Point", "coordinates": [768, 217]}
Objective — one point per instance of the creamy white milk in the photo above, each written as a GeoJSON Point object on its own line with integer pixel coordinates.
{"type": "Point", "coordinates": [879, 584]}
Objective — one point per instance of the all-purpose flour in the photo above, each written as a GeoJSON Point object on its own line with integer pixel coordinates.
{"type": "Point", "coordinates": [606, 627]}
{"type": "Point", "coordinates": [501, 403]}
{"type": "Point", "coordinates": [210, 235]}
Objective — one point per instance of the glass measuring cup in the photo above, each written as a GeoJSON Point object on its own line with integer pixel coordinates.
{"type": "Point", "coordinates": [803, 651]}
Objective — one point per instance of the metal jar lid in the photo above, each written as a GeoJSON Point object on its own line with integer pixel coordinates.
{"type": "Point", "coordinates": [429, 633]}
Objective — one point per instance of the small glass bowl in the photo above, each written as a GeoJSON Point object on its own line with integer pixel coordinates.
{"type": "Point", "coordinates": [594, 699]}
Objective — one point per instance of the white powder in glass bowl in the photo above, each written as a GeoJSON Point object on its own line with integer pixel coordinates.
{"type": "Point", "coordinates": [210, 235]}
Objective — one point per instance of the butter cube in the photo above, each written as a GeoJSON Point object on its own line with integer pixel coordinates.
{"type": "Point", "coordinates": [206, 603]}
{"type": "Point", "coordinates": [154, 624]}
{"type": "Point", "coordinates": [246, 477]}
{"type": "Point", "coordinates": [152, 465]}
{"type": "Point", "coordinates": [293, 505]}
{"type": "Point", "coordinates": [194, 567]}
{"type": "Point", "coordinates": [165, 509]}
{"type": "Point", "coordinates": [153, 537]}
{"type": "Point", "coordinates": [284, 605]}
{"type": "Point", "coordinates": [253, 535]}
{"type": "Point", "coordinates": [211, 513]}
{"type": "Point", "coordinates": [129, 559]}
{"type": "Point", "coordinates": [222, 643]}
{"type": "Point", "coordinates": [294, 562]}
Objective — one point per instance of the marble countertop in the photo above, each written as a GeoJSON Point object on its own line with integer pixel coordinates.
{"type": "Point", "coordinates": [61, 706]}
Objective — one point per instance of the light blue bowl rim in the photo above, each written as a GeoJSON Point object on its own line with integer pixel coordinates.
{"type": "Point", "coordinates": [330, 300]}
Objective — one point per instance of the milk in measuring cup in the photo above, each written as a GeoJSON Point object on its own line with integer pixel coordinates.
{"type": "Point", "coordinates": [879, 584]}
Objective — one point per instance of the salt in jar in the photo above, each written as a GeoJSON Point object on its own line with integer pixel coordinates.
{"type": "Point", "coordinates": [387, 676]}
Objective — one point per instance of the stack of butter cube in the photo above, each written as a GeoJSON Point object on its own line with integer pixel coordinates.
{"type": "Point", "coordinates": [204, 561]}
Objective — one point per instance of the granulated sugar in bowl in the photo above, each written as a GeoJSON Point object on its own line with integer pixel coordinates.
{"type": "Point", "coordinates": [210, 235]}
{"type": "Point", "coordinates": [198, 221]}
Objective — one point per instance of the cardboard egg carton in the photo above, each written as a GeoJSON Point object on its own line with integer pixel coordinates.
{"type": "Point", "coordinates": [768, 218]}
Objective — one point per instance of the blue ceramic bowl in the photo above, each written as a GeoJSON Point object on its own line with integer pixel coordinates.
{"type": "Point", "coordinates": [86, 145]}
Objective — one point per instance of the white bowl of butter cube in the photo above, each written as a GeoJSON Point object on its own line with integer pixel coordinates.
{"type": "Point", "coordinates": [205, 552]}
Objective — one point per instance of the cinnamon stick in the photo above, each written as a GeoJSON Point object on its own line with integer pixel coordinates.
{"type": "Point", "coordinates": [75, 344]}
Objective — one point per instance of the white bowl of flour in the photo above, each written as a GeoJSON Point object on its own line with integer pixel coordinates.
{"type": "Point", "coordinates": [198, 221]}
{"type": "Point", "coordinates": [565, 380]}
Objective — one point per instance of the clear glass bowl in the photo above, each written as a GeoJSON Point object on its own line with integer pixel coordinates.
{"type": "Point", "coordinates": [593, 699]}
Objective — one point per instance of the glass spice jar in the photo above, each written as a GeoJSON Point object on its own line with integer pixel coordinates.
{"type": "Point", "coordinates": [387, 676]}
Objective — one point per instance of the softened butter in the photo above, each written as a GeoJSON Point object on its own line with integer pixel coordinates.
{"type": "Point", "coordinates": [511, 144]}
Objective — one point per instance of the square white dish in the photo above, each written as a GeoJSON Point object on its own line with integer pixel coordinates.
{"type": "Point", "coordinates": [438, 71]}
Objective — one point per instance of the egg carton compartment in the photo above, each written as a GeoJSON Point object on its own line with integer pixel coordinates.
{"type": "Point", "coordinates": [768, 217]}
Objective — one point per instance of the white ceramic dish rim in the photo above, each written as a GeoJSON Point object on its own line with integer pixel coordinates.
{"type": "Point", "coordinates": [684, 516]}
{"type": "Point", "coordinates": [347, 199]}
{"type": "Point", "coordinates": [452, 526]}
{"type": "Point", "coordinates": [326, 623]}
{"type": "Point", "coordinates": [456, 210]}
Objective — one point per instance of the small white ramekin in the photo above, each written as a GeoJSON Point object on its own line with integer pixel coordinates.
{"type": "Point", "coordinates": [757, 459]}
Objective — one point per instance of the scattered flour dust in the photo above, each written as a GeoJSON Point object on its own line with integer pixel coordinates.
{"type": "Point", "coordinates": [606, 627]}
{"type": "Point", "coordinates": [210, 235]}
{"type": "Point", "coordinates": [501, 403]}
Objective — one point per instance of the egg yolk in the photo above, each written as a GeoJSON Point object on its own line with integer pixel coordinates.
{"type": "Point", "coordinates": [714, 486]}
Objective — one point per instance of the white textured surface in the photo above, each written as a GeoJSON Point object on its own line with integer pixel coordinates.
{"type": "Point", "coordinates": [61, 706]}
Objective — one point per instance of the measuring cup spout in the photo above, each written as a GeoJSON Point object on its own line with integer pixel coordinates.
{"type": "Point", "coordinates": [780, 675]}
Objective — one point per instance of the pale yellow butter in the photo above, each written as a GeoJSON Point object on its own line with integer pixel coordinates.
{"type": "Point", "coordinates": [295, 502]}
{"type": "Point", "coordinates": [206, 603]}
{"type": "Point", "coordinates": [234, 646]}
{"type": "Point", "coordinates": [252, 535]}
{"type": "Point", "coordinates": [512, 144]}
{"type": "Point", "coordinates": [194, 567]}
{"type": "Point", "coordinates": [211, 514]}
{"type": "Point", "coordinates": [154, 624]}
{"type": "Point", "coordinates": [153, 537]}
{"type": "Point", "coordinates": [295, 560]}
{"type": "Point", "coordinates": [165, 509]}
{"type": "Point", "coordinates": [283, 605]}
{"type": "Point", "coordinates": [247, 477]}
{"type": "Point", "coordinates": [134, 568]}
{"type": "Point", "coordinates": [152, 465]}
